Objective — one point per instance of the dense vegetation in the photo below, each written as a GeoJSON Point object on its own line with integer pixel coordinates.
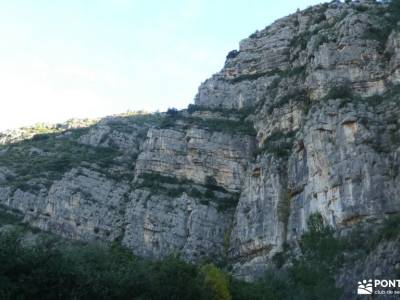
{"type": "Point", "coordinates": [175, 187]}
{"type": "Point", "coordinates": [239, 126]}
{"type": "Point", "coordinates": [386, 18]}
{"type": "Point", "coordinates": [44, 267]}
{"type": "Point", "coordinates": [279, 144]}
{"type": "Point", "coordinates": [50, 269]}
{"type": "Point", "coordinates": [48, 156]}
{"type": "Point", "coordinates": [48, 152]}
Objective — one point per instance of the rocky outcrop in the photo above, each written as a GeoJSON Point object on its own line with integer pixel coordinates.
{"type": "Point", "coordinates": [162, 191]}
{"type": "Point", "coordinates": [308, 80]}
{"type": "Point", "coordinates": [302, 119]}
{"type": "Point", "coordinates": [312, 50]}
{"type": "Point", "coordinates": [259, 228]}
{"type": "Point", "coordinates": [159, 225]}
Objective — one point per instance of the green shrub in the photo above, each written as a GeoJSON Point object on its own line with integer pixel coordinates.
{"type": "Point", "coordinates": [313, 272]}
{"type": "Point", "coordinates": [279, 144]}
{"type": "Point", "coordinates": [172, 112]}
{"type": "Point", "coordinates": [296, 96]}
{"type": "Point", "coordinates": [9, 217]}
{"type": "Point", "coordinates": [211, 183]}
{"type": "Point", "coordinates": [228, 126]}
{"type": "Point", "coordinates": [193, 108]}
{"type": "Point", "coordinates": [339, 91]}
{"type": "Point", "coordinates": [389, 231]}
{"type": "Point", "coordinates": [215, 282]}
{"type": "Point", "coordinates": [227, 203]}
{"type": "Point", "coordinates": [253, 35]}
{"type": "Point", "coordinates": [175, 187]}
{"type": "Point", "coordinates": [279, 259]}
{"type": "Point", "coordinates": [360, 8]}
{"type": "Point", "coordinates": [240, 126]}
{"type": "Point", "coordinates": [232, 54]}
{"type": "Point", "coordinates": [301, 40]}
{"type": "Point", "coordinates": [320, 244]}
{"type": "Point", "coordinates": [174, 279]}
{"type": "Point", "coordinates": [273, 286]}
{"type": "Point", "coordinates": [321, 39]}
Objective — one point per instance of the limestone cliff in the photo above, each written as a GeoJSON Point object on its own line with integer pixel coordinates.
{"type": "Point", "coordinates": [304, 118]}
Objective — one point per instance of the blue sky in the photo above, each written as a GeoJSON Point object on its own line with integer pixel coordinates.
{"type": "Point", "coordinates": [91, 58]}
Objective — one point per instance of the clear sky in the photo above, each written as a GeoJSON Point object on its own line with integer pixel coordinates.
{"type": "Point", "coordinates": [62, 59]}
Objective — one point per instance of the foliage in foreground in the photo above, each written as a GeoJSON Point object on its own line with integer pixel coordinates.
{"type": "Point", "coordinates": [50, 269]}
{"type": "Point", "coordinates": [43, 267]}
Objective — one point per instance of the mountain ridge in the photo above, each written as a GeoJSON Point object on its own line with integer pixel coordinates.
{"type": "Point", "coordinates": [302, 120]}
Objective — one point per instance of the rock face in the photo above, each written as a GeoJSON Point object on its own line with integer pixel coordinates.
{"type": "Point", "coordinates": [304, 118]}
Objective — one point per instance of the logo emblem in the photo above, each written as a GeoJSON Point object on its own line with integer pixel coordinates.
{"type": "Point", "coordinates": [365, 287]}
